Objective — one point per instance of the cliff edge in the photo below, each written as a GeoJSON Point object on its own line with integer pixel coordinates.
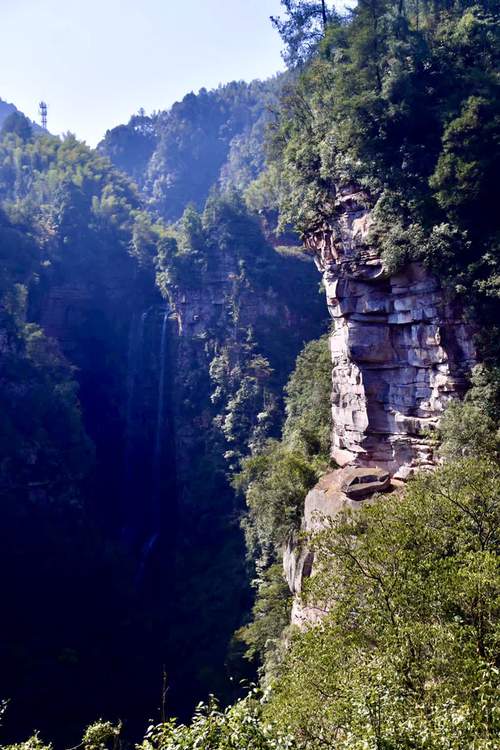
{"type": "Point", "coordinates": [400, 352]}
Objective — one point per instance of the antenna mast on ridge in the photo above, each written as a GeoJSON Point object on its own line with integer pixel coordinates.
{"type": "Point", "coordinates": [43, 114]}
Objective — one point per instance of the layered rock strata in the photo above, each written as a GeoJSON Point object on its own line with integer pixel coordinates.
{"type": "Point", "coordinates": [400, 352]}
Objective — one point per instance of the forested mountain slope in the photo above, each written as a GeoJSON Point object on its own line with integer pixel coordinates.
{"type": "Point", "coordinates": [7, 109]}
{"type": "Point", "coordinates": [176, 317]}
{"type": "Point", "coordinates": [210, 138]}
{"type": "Point", "coordinates": [140, 361]}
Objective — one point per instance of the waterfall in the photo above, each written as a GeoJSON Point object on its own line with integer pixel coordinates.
{"type": "Point", "coordinates": [134, 360]}
{"type": "Point", "coordinates": [152, 540]}
{"type": "Point", "coordinates": [161, 396]}
{"type": "Point", "coordinates": [135, 348]}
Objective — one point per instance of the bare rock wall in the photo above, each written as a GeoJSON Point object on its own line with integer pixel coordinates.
{"type": "Point", "coordinates": [400, 350]}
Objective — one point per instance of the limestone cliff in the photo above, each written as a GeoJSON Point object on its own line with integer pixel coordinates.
{"type": "Point", "coordinates": [400, 351]}
{"type": "Point", "coordinates": [213, 312]}
{"type": "Point", "coordinates": [237, 324]}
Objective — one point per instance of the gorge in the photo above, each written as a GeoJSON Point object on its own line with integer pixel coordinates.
{"type": "Point", "coordinates": [163, 366]}
{"type": "Point", "coordinates": [249, 404]}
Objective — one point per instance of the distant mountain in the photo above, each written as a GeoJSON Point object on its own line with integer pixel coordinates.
{"type": "Point", "coordinates": [210, 138]}
{"type": "Point", "coordinates": [6, 109]}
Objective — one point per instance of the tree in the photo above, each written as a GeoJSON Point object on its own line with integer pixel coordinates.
{"type": "Point", "coordinates": [406, 656]}
{"type": "Point", "coordinates": [302, 29]}
{"type": "Point", "coordinates": [235, 728]}
{"type": "Point", "coordinates": [18, 124]}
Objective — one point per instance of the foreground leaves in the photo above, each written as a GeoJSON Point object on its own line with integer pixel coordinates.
{"type": "Point", "coordinates": [408, 654]}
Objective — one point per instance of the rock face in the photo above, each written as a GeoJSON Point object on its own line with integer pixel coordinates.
{"type": "Point", "coordinates": [325, 500]}
{"type": "Point", "coordinates": [214, 309]}
{"type": "Point", "coordinates": [400, 351]}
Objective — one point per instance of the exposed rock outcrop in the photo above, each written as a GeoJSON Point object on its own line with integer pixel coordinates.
{"type": "Point", "coordinates": [400, 352]}
{"type": "Point", "coordinates": [325, 500]}
{"type": "Point", "coordinates": [214, 309]}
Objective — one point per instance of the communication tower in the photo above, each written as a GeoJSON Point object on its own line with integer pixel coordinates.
{"type": "Point", "coordinates": [43, 114]}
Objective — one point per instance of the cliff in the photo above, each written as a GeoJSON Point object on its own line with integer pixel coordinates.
{"type": "Point", "coordinates": [400, 352]}
{"type": "Point", "coordinates": [239, 313]}
{"type": "Point", "coordinates": [400, 349]}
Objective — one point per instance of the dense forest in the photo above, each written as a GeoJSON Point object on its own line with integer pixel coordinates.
{"type": "Point", "coordinates": [166, 403]}
{"type": "Point", "coordinates": [209, 138]}
{"type": "Point", "coordinates": [140, 362]}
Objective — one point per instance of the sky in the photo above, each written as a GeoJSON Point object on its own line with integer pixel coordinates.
{"type": "Point", "coordinates": [96, 62]}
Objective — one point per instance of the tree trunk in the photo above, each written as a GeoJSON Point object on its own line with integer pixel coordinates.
{"type": "Point", "coordinates": [323, 13]}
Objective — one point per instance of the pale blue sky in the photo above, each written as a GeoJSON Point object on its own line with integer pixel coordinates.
{"type": "Point", "coordinates": [96, 62]}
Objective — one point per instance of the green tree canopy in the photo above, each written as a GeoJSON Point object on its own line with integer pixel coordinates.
{"type": "Point", "coordinates": [407, 654]}
{"type": "Point", "coordinates": [18, 124]}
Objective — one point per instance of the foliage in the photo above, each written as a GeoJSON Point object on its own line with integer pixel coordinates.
{"type": "Point", "coordinates": [43, 446]}
{"type": "Point", "coordinates": [308, 396]}
{"type": "Point", "coordinates": [241, 378]}
{"type": "Point", "coordinates": [401, 100]}
{"type": "Point", "coordinates": [263, 635]}
{"type": "Point", "coordinates": [102, 735]}
{"type": "Point", "coordinates": [303, 28]}
{"type": "Point", "coordinates": [277, 478]}
{"type": "Point", "coordinates": [406, 656]}
{"type": "Point", "coordinates": [236, 727]}
{"type": "Point", "coordinates": [131, 146]}
{"type": "Point", "coordinates": [470, 427]}
{"type": "Point", "coordinates": [263, 193]}
{"type": "Point", "coordinates": [275, 481]}
{"type": "Point", "coordinates": [17, 123]}
{"type": "Point", "coordinates": [239, 726]}
{"type": "Point", "coordinates": [209, 138]}
{"type": "Point", "coordinates": [32, 743]}
{"type": "Point", "coordinates": [81, 211]}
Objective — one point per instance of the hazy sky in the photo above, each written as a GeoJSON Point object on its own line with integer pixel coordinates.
{"type": "Point", "coordinates": [96, 62]}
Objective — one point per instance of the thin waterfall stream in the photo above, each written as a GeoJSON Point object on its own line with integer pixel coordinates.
{"type": "Point", "coordinates": [134, 360]}
{"type": "Point", "coordinates": [156, 511]}
{"type": "Point", "coordinates": [161, 405]}
{"type": "Point", "coordinates": [136, 345]}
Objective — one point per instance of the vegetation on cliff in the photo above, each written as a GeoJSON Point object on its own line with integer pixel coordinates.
{"type": "Point", "coordinates": [400, 100]}
{"type": "Point", "coordinates": [275, 482]}
{"type": "Point", "coordinates": [406, 656]}
{"type": "Point", "coordinates": [245, 310]}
